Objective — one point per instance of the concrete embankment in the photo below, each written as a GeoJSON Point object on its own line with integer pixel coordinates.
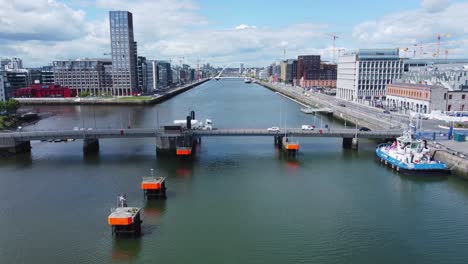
{"type": "Point", "coordinates": [457, 164]}
{"type": "Point", "coordinates": [109, 101]}
{"type": "Point", "coordinates": [348, 115]}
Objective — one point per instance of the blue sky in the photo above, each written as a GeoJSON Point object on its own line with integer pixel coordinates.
{"type": "Point", "coordinates": [222, 32]}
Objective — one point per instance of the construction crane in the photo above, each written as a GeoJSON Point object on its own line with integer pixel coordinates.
{"type": "Point", "coordinates": [405, 50]}
{"type": "Point", "coordinates": [334, 37]}
{"type": "Point", "coordinates": [439, 36]}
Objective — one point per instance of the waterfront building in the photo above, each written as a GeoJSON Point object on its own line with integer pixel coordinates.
{"type": "Point", "coordinates": [142, 74]}
{"type": "Point", "coordinates": [151, 75]}
{"type": "Point", "coordinates": [424, 98]}
{"type": "Point", "coordinates": [306, 65]}
{"type": "Point", "coordinates": [288, 71]}
{"type": "Point", "coordinates": [428, 88]}
{"type": "Point", "coordinates": [2, 89]}
{"type": "Point", "coordinates": [311, 71]}
{"type": "Point", "coordinates": [12, 80]}
{"type": "Point", "coordinates": [269, 70]}
{"type": "Point", "coordinates": [263, 74]}
{"type": "Point", "coordinates": [192, 75]}
{"type": "Point", "coordinates": [44, 75]}
{"type": "Point", "coordinates": [432, 63]}
{"type": "Point", "coordinates": [85, 75]}
{"type": "Point", "coordinates": [364, 75]}
{"type": "Point", "coordinates": [166, 75]}
{"type": "Point", "coordinates": [175, 76]}
{"type": "Point", "coordinates": [43, 90]}
{"type": "Point", "coordinates": [123, 50]}
{"type": "Point", "coordinates": [241, 68]}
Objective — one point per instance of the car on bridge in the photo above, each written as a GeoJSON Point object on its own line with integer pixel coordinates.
{"type": "Point", "coordinates": [273, 129]}
{"type": "Point", "coordinates": [364, 129]}
{"type": "Point", "coordinates": [307, 127]}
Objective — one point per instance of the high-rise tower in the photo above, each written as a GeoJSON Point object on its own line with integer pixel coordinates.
{"type": "Point", "coordinates": [123, 53]}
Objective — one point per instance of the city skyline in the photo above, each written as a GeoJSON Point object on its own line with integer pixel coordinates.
{"type": "Point", "coordinates": [229, 33]}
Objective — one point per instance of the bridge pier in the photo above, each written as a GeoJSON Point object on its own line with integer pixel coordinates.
{"type": "Point", "coordinates": [9, 146]}
{"type": "Point", "coordinates": [167, 145]}
{"type": "Point", "coordinates": [278, 141]}
{"type": "Point", "coordinates": [350, 143]}
{"type": "Point", "coordinates": [90, 145]}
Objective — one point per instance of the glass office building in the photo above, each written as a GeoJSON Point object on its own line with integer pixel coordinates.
{"type": "Point", "coordinates": [123, 53]}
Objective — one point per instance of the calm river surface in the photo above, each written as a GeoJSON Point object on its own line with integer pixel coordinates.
{"type": "Point", "coordinates": [239, 201]}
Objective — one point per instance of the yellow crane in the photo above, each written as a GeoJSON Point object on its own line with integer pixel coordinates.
{"type": "Point", "coordinates": [439, 37]}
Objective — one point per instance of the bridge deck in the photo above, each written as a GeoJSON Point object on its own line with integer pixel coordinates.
{"type": "Point", "coordinates": [152, 133]}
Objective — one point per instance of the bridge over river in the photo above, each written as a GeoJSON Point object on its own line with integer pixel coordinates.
{"type": "Point", "coordinates": [15, 142]}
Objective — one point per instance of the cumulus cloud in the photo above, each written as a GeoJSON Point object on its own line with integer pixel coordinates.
{"type": "Point", "coordinates": [244, 26]}
{"type": "Point", "coordinates": [164, 29]}
{"type": "Point", "coordinates": [45, 20]}
{"type": "Point", "coordinates": [434, 6]}
{"type": "Point", "coordinates": [418, 26]}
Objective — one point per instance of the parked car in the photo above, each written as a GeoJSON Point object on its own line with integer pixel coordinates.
{"type": "Point", "coordinates": [307, 127]}
{"type": "Point", "coordinates": [393, 109]}
{"type": "Point", "coordinates": [386, 112]}
{"type": "Point", "coordinates": [342, 105]}
{"type": "Point", "coordinates": [364, 129]}
{"type": "Point", "coordinates": [273, 129]}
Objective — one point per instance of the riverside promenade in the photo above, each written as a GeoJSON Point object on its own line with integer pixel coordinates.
{"type": "Point", "coordinates": [129, 100]}
{"type": "Point", "coordinates": [373, 119]}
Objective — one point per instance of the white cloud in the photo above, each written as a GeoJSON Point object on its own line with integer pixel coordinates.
{"type": "Point", "coordinates": [164, 29]}
{"type": "Point", "coordinates": [45, 20]}
{"type": "Point", "coordinates": [434, 6]}
{"type": "Point", "coordinates": [419, 26]}
{"type": "Point", "coordinates": [244, 26]}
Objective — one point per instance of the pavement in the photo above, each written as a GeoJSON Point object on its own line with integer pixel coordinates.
{"type": "Point", "coordinates": [372, 114]}
{"type": "Point", "coordinates": [453, 147]}
{"type": "Point", "coordinates": [394, 119]}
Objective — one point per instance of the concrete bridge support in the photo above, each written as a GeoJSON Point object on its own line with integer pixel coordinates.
{"type": "Point", "coordinates": [9, 146]}
{"type": "Point", "coordinates": [278, 141]}
{"type": "Point", "coordinates": [167, 145]}
{"type": "Point", "coordinates": [90, 145]}
{"type": "Point", "coordinates": [350, 143]}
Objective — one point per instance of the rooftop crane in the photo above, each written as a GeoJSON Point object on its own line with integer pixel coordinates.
{"type": "Point", "coordinates": [334, 37]}
{"type": "Point", "coordinates": [439, 36]}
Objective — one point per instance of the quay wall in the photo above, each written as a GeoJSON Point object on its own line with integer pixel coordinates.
{"type": "Point", "coordinates": [108, 101]}
{"type": "Point", "coordinates": [457, 164]}
{"type": "Point", "coordinates": [347, 115]}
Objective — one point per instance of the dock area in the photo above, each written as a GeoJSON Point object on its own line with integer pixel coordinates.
{"type": "Point", "coordinates": [310, 110]}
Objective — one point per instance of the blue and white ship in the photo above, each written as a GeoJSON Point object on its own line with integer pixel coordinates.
{"type": "Point", "coordinates": [410, 155]}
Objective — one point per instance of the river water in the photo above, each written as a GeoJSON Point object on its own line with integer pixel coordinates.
{"type": "Point", "coordinates": [238, 201]}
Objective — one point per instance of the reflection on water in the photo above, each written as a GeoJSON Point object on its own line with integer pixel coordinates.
{"type": "Point", "coordinates": [125, 249]}
{"type": "Point", "coordinates": [233, 202]}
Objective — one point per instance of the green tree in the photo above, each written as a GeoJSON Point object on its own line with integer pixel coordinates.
{"type": "Point", "coordinates": [84, 94]}
{"type": "Point", "coordinates": [2, 106]}
{"type": "Point", "coordinates": [12, 105]}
